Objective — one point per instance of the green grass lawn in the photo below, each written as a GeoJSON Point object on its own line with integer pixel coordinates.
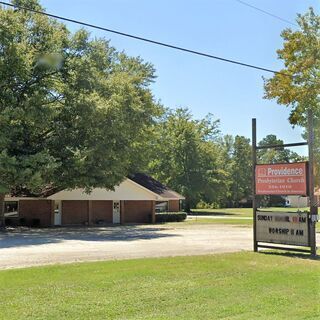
{"type": "Point", "coordinates": [229, 286]}
{"type": "Point", "coordinates": [240, 212]}
{"type": "Point", "coordinates": [244, 212]}
{"type": "Point", "coordinates": [232, 215]}
{"type": "Point", "coordinates": [232, 221]}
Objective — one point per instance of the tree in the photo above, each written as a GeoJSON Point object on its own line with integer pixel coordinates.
{"type": "Point", "coordinates": [225, 145]}
{"type": "Point", "coordinates": [186, 156]}
{"type": "Point", "coordinates": [279, 155]}
{"type": "Point", "coordinates": [241, 170]}
{"type": "Point", "coordinates": [73, 111]}
{"type": "Point", "coordinates": [298, 84]}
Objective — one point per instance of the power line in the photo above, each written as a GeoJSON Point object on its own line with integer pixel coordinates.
{"type": "Point", "coordinates": [267, 13]}
{"type": "Point", "coordinates": [203, 54]}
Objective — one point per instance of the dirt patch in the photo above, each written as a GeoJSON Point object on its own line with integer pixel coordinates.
{"type": "Point", "coordinates": [22, 248]}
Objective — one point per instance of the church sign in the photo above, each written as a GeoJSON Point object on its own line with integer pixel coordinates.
{"type": "Point", "coordinates": [286, 228]}
{"type": "Point", "coordinates": [281, 179]}
{"type": "Point", "coordinates": [289, 228]}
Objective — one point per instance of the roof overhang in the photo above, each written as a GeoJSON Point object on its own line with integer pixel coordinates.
{"type": "Point", "coordinates": [126, 190]}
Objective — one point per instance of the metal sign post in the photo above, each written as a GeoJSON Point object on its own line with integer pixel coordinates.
{"type": "Point", "coordinates": [313, 203]}
{"type": "Point", "coordinates": [293, 229]}
{"type": "Point", "coordinates": [254, 163]}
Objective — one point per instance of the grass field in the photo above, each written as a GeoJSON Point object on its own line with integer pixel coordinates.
{"type": "Point", "coordinates": [240, 212]}
{"type": "Point", "coordinates": [231, 221]}
{"type": "Point", "coordinates": [233, 216]}
{"type": "Point", "coordinates": [228, 286]}
{"type": "Point", "coordinates": [230, 212]}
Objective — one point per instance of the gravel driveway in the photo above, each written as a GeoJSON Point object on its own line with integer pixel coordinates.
{"type": "Point", "coordinates": [21, 248]}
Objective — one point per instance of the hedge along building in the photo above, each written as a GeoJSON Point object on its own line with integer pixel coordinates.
{"type": "Point", "coordinates": [132, 201]}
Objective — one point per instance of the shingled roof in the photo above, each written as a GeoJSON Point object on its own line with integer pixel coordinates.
{"type": "Point", "coordinates": [155, 186]}
{"type": "Point", "coordinates": [141, 179]}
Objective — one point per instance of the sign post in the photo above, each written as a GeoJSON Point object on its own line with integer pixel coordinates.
{"type": "Point", "coordinates": [313, 203]}
{"type": "Point", "coordinates": [294, 229]}
{"type": "Point", "coordinates": [254, 163]}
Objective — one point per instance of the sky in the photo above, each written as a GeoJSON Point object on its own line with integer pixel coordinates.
{"type": "Point", "coordinates": [224, 28]}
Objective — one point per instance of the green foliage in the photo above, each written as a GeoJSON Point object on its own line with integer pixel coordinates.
{"type": "Point", "coordinates": [300, 54]}
{"type": "Point", "coordinates": [205, 205]}
{"type": "Point", "coordinates": [236, 162]}
{"type": "Point", "coordinates": [170, 217]}
{"type": "Point", "coordinates": [73, 111]}
{"type": "Point", "coordinates": [279, 155]}
{"type": "Point", "coordinates": [300, 90]}
{"type": "Point", "coordinates": [186, 156]}
{"type": "Point", "coordinates": [241, 170]}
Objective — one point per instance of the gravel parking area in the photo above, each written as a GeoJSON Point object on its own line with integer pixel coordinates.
{"type": "Point", "coordinates": [23, 248]}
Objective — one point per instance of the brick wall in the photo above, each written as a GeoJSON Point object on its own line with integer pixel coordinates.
{"type": "Point", "coordinates": [138, 211]}
{"type": "Point", "coordinates": [174, 205]}
{"type": "Point", "coordinates": [101, 210]}
{"type": "Point", "coordinates": [37, 209]}
{"type": "Point", "coordinates": [74, 212]}
{"type": "Point", "coordinates": [77, 211]}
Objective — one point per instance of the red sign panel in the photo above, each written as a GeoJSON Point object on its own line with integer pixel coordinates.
{"type": "Point", "coordinates": [281, 179]}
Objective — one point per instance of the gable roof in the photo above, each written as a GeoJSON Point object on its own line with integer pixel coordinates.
{"type": "Point", "coordinates": [155, 186]}
{"type": "Point", "coordinates": [138, 186]}
{"type": "Point", "coordinates": [126, 190]}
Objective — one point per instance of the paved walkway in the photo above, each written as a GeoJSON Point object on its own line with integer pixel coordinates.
{"type": "Point", "coordinates": [22, 248]}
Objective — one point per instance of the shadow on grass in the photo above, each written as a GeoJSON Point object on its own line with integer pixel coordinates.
{"type": "Point", "coordinates": [31, 237]}
{"type": "Point", "coordinates": [297, 255]}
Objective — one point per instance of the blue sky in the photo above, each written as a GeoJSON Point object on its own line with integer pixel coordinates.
{"type": "Point", "coordinates": [224, 28]}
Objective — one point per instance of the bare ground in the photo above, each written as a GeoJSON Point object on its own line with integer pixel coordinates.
{"type": "Point", "coordinates": [24, 248]}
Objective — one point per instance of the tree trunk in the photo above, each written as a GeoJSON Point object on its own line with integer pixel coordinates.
{"type": "Point", "coordinates": [2, 219]}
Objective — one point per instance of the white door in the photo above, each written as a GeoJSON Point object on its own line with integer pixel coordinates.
{"type": "Point", "coordinates": [116, 212]}
{"type": "Point", "coordinates": [57, 213]}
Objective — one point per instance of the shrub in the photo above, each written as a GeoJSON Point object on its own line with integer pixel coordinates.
{"type": "Point", "coordinates": [205, 205]}
{"type": "Point", "coordinates": [170, 216]}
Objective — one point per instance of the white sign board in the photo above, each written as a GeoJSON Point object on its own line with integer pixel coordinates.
{"type": "Point", "coordinates": [283, 228]}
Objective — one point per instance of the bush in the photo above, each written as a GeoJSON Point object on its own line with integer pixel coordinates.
{"type": "Point", "coordinates": [170, 216]}
{"type": "Point", "coordinates": [205, 205]}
